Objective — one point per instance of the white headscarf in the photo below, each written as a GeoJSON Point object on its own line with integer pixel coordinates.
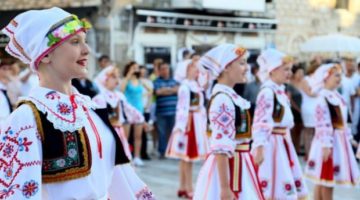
{"type": "Point", "coordinates": [219, 57]}
{"type": "Point", "coordinates": [317, 80]}
{"type": "Point", "coordinates": [35, 33]}
{"type": "Point", "coordinates": [181, 70]}
{"type": "Point", "coordinates": [269, 60]}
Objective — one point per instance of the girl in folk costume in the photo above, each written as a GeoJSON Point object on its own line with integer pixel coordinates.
{"type": "Point", "coordinates": [228, 172]}
{"type": "Point", "coordinates": [51, 145]}
{"type": "Point", "coordinates": [279, 168]}
{"type": "Point", "coordinates": [120, 112]}
{"type": "Point", "coordinates": [188, 140]}
{"type": "Point", "coordinates": [331, 159]}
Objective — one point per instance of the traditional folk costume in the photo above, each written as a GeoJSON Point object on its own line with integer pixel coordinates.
{"type": "Point", "coordinates": [230, 134]}
{"type": "Point", "coordinates": [331, 131]}
{"type": "Point", "coordinates": [5, 104]}
{"type": "Point", "coordinates": [188, 140]}
{"type": "Point", "coordinates": [280, 173]}
{"type": "Point", "coordinates": [119, 110]}
{"type": "Point", "coordinates": [56, 146]}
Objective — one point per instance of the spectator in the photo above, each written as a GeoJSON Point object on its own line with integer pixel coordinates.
{"type": "Point", "coordinates": [166, 98]}
{"type": "Point", "coordinates": [104, 61]}
{"type": "Point", "coordinates": [155, 73]}
{"type": "Point", "coordinates": [133, 90]}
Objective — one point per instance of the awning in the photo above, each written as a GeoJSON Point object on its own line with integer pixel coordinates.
{"type": "Point", "coordinates": [177, 20]}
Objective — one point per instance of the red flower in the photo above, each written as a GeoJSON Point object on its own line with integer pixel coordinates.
{"type": "Point", "coordinates": [181, 145]}
{"type": "Point", "coordinates": [311, 163]}
{"type": "Point", "coordinates": [64, 109]}
{"type": "Point", "coordinates": [298, 183]}
{"type": "Point", "coordinates": [337, 169]}
{"type": "Point", "coordinates": [264, 184]}
{"type": "Point", "coordinates": [30, 188]}
{"type": "Point", "coordinates": [69, 137]}
{"type": "Point", "coordinates": [218, 136]}
{"type": "Point", "coordinates": [288, 187]}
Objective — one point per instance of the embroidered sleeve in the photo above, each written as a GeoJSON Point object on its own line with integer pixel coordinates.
{"type": "Point", "coordinates": [323, 126]}
{"type": "Point", "coordinates": [21, 157]}
{"type": "Point", "coordinates": [182, 108]}
{"type": "Point", "coordinates": [222, 124]}
{"type": "Point", "coordinates": [263, 121]}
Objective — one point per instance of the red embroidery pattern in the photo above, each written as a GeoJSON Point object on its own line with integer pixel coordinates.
{"type": "Point", "coordinates": [262, 106]}
{"type": "Point", "coordinates": [223, 120]}
{"type": "Point", "coordinates": [10, 163]}
{"type": "Point", "coordinates": [52, 95]}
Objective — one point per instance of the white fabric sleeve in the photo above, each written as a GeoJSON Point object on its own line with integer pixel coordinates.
{"type": "Point", "coordinates": [323, 126]}
{"type": "Point", "coordinates": [222, 124]}
{"type": "Point", "coordinates": [21, 157]}
{"type": "Point", "coordinates": [263, 122]}
{"type": "Point", "coordinates": [182, 108]}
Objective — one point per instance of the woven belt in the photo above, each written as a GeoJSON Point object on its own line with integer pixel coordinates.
{"type": "Point", "coordinates": [242, 147]}
{"type": "Point", "coordinates": [279, 131]}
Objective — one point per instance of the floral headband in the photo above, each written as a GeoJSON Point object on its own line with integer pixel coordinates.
{"type": "Point", "coordinates": [62, 31]}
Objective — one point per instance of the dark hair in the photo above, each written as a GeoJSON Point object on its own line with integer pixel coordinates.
{"type": "Point", "coordinates": [297, 67]}
{"type": "Point", "coordinates": [185, 53]}
{"type": "Point", "coordinates": [127, 67]}
{"type": "Point", "coordinates": [254, 67]}
{"type": "Point", "coordinates": [194, 54]}
{"type": "Point", "coordinates": [163, 63]}
{"type": "Point", "coordinates": [103, 57]}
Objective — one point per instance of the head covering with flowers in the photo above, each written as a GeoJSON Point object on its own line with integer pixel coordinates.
{"type": "Point", "coordinates": [219, 57]}
{"type": "Point", "coordinates": [317, 80]}
{"type": "Point", "coordinates": [35, 33]}
{"type": "Point", "coordinates": [269, 60]}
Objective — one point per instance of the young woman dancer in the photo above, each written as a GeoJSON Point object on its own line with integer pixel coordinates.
{"type": "Point", "coordinates": [331, 159]}
{"type": "Point", "coordinates": [228, 172]}
{"type": "Point", "coordinates": [188, 141]}
{"type": "Point", "coordinates": [279, 169]}
{"type": "Point", "coordinates": [56, 144]}
{"type": "Point", "coordinates": [119, 110]}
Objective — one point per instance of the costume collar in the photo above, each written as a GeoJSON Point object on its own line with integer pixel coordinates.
{"type": "Point", "coordinates": [65, 112]}
{"type": "Point", "coordinates": [278, 89]}
{"type": "Point", "coordinates": [237, 99]}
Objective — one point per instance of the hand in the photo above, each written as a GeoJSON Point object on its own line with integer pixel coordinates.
{"type": "Point", "coordinates": [259, 155]}
{"type": "Point", "coordinates": [326, 153]}
{"type": "Point", "coordinates": [227, 194]}
{"type": "Point", "coordinates": [130, 72]}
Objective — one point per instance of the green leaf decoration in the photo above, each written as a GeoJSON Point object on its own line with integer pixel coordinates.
{"type": "Point", "coordinates": [52, 40]}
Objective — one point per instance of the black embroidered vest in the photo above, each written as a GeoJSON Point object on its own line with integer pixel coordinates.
{"type": "Point", "coordinates": [242, 120]}
{"type": "Point", "coordinates": [194, 99]}
{"type": "Point", "coordinates": [67, 155]}
{"type": "Point", "coordinates": [336, 115]}
{"type": "Point", "coordinates": [278, 111]}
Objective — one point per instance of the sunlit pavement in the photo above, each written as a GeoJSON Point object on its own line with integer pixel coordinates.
{"type": "Point", "coordinates": [162, 178]}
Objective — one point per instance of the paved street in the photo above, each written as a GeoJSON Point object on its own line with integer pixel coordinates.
{"type": "Point", "coordinates": [162, 178]}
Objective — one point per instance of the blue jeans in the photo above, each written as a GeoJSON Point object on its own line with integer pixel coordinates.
{"type": "Point", "coordinates": [165, 124]}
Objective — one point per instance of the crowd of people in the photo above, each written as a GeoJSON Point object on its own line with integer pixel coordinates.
{"type": "Point", "coordinates": [248, 122]}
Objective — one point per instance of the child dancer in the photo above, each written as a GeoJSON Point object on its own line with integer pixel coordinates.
{"type": "Point", "coordinates": [188, 140]}
{"type": "Point", "coordinates": [331, 159]}
{"type": "Point", "coordinates": [279, 169]}
{"type": "Point", "coordinates": [228, 172]}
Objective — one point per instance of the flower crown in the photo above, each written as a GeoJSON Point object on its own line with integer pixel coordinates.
{"type": "Point", "coordinates": [66, 27]}
{"type": "Point", "coordinates": [240, 51]}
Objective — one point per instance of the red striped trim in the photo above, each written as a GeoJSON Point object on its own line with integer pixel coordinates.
{"type": "Point", "coordinates": [19, 47]}
{"type": "Point", "coordinates": [8, 30]}
{"type": "Point", "coordinates": [12, 51]}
